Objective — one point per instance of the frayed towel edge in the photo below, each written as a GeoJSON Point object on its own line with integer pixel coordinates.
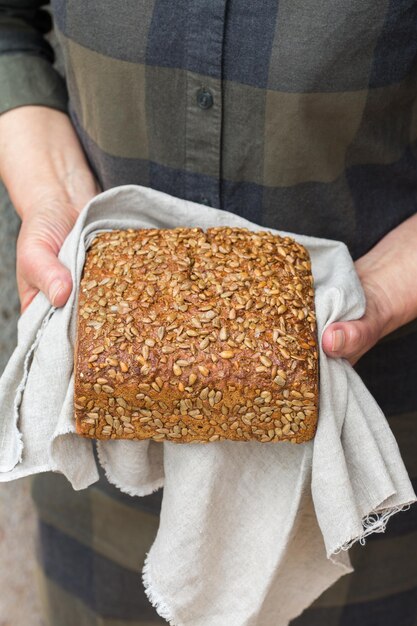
{"type": "Point", "coordinates": [21, 386]}
{"type": "Point", "coordinates": [374, 522]}
{"type": "Point", "coordinates": [155, 597]}
{"type": "Point", "coordinates": [145, 490]}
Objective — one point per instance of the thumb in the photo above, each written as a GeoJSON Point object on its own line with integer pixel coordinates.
{"type": "Point", "coordinates": [350, 340]}
{"type": "Point", "coordinates": [40, 270]}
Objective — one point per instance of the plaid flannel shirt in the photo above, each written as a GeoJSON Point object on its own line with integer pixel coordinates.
{"type": "Point", "coordinates": [301, 116]}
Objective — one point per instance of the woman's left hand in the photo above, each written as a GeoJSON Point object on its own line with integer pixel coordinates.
{"type": "Point", "coordinates": [388, 273]}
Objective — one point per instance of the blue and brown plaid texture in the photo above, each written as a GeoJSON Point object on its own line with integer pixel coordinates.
{"type": "Point", "coordinates": [312, 129]}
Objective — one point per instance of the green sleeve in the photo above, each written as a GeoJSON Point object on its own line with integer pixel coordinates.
{"type": "Point", "coordinates": [27, 75]}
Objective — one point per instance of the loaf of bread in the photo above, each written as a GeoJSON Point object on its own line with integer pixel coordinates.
{"type": "Point", "coordinates": [192, 336]}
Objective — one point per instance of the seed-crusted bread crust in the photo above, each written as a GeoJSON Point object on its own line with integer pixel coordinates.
{"type": "Point", "coordinates": [192, 336]}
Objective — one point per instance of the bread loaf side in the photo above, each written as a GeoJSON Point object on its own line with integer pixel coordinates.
{"type": "Point", "coordinates": [192, 336]}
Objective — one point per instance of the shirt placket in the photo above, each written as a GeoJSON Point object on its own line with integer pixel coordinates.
{"type": "Point", "coordinates": [203, 125]}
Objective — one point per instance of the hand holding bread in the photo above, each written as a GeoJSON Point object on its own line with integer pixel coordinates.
{"type": "Point", "coordinates": [49, 188]}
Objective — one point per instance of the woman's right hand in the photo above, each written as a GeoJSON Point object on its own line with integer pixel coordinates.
{"type": "Point", "coordinates": [46, 174]}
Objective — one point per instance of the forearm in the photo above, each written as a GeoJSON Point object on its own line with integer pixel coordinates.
{"type": "Point", "coordinates": [41, 159]}
{"type": "Point", "coordinates": [391, 267]}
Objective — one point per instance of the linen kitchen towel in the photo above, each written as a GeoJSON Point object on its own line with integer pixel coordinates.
{"type": "Point", "coordinates": [250, 533]}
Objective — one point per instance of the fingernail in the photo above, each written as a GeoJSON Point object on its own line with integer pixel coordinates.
{"type": "Point", "coordinates": [338, 340]}
{"type": "Point", "coordinates": [54, 290]}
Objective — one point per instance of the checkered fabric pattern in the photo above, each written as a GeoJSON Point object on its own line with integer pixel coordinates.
{"type": "Point", "coordinates": [300, 116]}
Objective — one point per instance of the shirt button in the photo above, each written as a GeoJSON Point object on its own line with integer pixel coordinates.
{"type": "Point", "coordinates": [204, 98]}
